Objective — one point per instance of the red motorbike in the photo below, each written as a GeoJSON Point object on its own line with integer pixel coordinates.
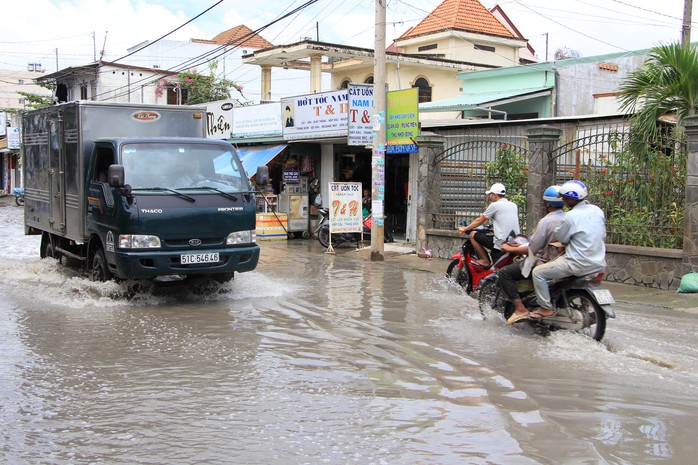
{"type": "Point", "coordinates": [464, 271]}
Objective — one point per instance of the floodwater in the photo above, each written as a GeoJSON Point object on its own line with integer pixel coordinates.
{"type": "Point", "coordinates": [323, 359]}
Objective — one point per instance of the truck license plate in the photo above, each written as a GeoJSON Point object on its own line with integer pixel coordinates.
{"type": "Point", "coordinates": [603, 296]}
{"type": "Point", "coordinates": [194, 258]}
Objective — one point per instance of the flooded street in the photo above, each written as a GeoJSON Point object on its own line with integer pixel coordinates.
{"type": "Point", "coordinates": [323, 359]}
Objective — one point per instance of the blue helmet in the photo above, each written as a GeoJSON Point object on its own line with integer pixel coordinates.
{"type": "Point", "coordinates": [574, 190]}
{"type": "Point", "coordinates": [552, 196]}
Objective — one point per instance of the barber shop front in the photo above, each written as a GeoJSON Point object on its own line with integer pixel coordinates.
{"type": "Point", "coordinates": [311, 142]}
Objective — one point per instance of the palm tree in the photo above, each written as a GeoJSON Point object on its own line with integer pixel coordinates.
{"type": "Point", "coordinates": [666, 83]}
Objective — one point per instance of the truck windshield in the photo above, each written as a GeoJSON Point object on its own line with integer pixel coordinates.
{"type": "Point", "coordinates": [183, 165]}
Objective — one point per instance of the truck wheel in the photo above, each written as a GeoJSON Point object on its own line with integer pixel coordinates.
{"type": "Point", "coordinates": [222, 278]}
{"type": "Point", "coordinates": [47, 249]}
{"type": "Point", "coordinates": [99, 270]}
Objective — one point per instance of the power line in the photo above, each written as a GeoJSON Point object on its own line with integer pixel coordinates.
{"type": "Point", "coordinates": [213, 54]}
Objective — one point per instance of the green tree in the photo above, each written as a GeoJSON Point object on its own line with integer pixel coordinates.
{"type": "Point", "coordinates": [199, 88]}
{"type": "Point", "coordinates": [666, 83]}
{"type": "Point", "coordinates": [33, 100]}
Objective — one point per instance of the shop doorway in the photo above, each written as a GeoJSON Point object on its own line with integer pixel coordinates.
{"type": "Point", "coordinates": [353, 164]}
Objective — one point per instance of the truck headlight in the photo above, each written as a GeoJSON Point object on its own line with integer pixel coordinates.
{"type": "Point", "coordinates": [138, 241]}
{"type": "Point", "coordinates": [241, 237]}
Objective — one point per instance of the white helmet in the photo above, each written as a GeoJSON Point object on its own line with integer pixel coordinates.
{"type": "Point", "coordinates": [497, 188]}
{"type": "Point", "coordinates": [574, 190]}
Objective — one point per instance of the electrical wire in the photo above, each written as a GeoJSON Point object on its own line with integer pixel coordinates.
{"type": "Point", "coordinates": [208, 56]}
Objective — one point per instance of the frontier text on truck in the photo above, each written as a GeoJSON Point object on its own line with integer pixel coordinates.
{"type": "Point", "coordinates": [136, 192]}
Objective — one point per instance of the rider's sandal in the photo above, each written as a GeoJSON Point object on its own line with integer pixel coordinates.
{"type": "Point", "coordinates": [473, 262]}
{"type": "Point", "coordinates": [517, 317]}
{"type": "Point", "coordinates": [537, 315]}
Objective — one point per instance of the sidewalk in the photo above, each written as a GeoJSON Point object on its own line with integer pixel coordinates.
{"type": "Point", "coordinates": [405, 255]}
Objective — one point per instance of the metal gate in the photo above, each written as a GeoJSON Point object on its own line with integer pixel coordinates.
{"type": "Point", "coordinates": [640, 185]}
{"type": "Point", "coordinates": [463, 173]}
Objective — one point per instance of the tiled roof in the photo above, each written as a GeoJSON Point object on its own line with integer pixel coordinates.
{"type": "Point", "coordinates": [239, 36]}
{"type": "Point", "coordinates": [464, 15]}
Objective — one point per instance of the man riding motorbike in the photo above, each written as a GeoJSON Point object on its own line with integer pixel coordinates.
{"type": "Point", "coordinates": [505, 219]}
{"type": "Point", "coordinates": [538, 251]}
{"type": "Point", "coordinates": [583, 233]}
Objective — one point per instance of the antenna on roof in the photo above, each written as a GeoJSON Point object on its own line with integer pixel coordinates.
{"type": "Point", "coordinates": [104, 46]}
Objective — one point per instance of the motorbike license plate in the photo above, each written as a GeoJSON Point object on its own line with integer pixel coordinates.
{"type": "Point", "coordinates": [194, 258]}
{"type": "Point", "coordinates": [603, 296]}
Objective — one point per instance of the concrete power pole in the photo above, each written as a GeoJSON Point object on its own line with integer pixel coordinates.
{"type": "Point", "coordinates": [686, 26]}
{"type": "Point", "coordinates": [379, 140]}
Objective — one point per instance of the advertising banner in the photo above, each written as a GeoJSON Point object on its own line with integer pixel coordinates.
{"type": "Point", "coordinates": [403, 121]}
{"type": "Point", "coordinates": [315, 116]}
{"type": "Point", "coordinates": [360, 111]}
{"type": "Point", "coordinates": [345, 207]}
{"type": "Point", "coordinates": [257, 120]}
{"type": "Point", "coordinates": [219, 119]}
{"type": "Point", "coordinates": [14, 138]}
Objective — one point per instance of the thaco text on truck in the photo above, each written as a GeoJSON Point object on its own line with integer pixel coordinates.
{"type": "Point", "coordinates": [136, 191]}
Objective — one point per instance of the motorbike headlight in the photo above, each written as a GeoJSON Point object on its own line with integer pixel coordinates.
{"type": "Point", "coordinates": [138, 241]}
{"type": "Point", "coordinates": [241, 237]}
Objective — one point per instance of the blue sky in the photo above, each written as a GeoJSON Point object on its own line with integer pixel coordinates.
{"type": "Point", "coordinates": [74, 31]}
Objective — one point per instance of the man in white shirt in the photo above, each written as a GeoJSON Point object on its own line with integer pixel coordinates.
{"type": "Point", "coordinates": [505, 222]}
{"type": "Point", "coordinates": [583, 233]}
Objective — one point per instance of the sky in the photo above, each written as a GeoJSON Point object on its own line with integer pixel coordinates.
{"type": "Point", "coordinates": [61, 33]}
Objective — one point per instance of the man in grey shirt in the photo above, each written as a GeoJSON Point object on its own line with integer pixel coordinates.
{"type": "Point", "coordinates": [583, 233]}
{"type": "Point", "coordinates": [538, 251]}
{"type": "Point", "coordinates": [505, 222]}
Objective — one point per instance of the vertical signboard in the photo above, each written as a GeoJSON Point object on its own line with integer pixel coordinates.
{"type": "Point", "coordinates": [14, 138]}
{"type": "Point", "coordinates": [360, 111]}
{"type": "Point", "coordinates": [219, 119]}
{"type": "Point", "coordinates": [315, 116]}
{"type": "Point", "coordinates": [345, 207]}
{"type": "Point", "coordinates": [402, 121]}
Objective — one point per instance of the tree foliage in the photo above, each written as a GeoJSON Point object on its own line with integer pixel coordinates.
{"type": "Point", "coordinates": [200, 88]}
{"type": "Point", "coordinates": [33, 100]}
{"type": "Point", "coordinates": [666, 83]}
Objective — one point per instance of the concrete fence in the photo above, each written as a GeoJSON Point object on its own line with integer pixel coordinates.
{"type": "Point", "coordinates": [641, 266]}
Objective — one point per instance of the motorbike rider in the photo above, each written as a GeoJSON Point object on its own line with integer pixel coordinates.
{"type": "Point", "coordinates": [583, 234]}
{"type": "Point", "coordinates": [505, 219]}
{"type": "Point", "coordinates": [538, 251]}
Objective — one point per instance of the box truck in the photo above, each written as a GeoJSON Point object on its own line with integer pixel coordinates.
{"type": "Point", "coordinates": [136, 191]}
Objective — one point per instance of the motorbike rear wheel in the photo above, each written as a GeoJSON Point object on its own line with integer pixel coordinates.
{"type": "Point", "coordinates": [458, 275]}
{"type": "Point", "coordinates": [19, 200]}
{"type": "Point", "coordinates": [581, 301]}
{"type": "Point", "coordinates": [490, 296]}
{"type": "Point", "coordinates": [323, 236]}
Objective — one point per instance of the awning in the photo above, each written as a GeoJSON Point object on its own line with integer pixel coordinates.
{"type": "Point", "coordinates": [259, 155]}
{"type": "Point", "coordinates": [484, 99]}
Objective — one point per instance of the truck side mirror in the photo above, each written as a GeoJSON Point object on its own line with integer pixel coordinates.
{"type": "Point", "coordinates": [116, 175]}
{"type": "Point", "coordinates": [262, 177]}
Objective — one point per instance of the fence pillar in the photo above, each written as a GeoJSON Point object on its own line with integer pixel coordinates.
{"type": "Point", "coordinates": [690, 216]}
{"type": "Point", "coordinates": [428, 183]}
{"type": "Point", "coordinates": [542, 140]}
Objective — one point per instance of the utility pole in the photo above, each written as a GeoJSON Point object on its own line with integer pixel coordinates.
{"type": "Point", "coordinates": [379, 137]}
{"type": "Point", "coordinates": [686, 26]}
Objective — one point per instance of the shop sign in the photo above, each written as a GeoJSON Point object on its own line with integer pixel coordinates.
{"type": "Point", "coordinates": [219, 119]}
{"type": "Point", "coordinates": [257, 120]}
{"type": "Point", "coordinates": [345, 207]}
{"type": "Point", "coordinates": [292, 176]}
{"type": "Point", "coordinates": [13, 138]}
{"type": "Point", "coordinates": [3, 123]}
{"type": "Point", "coordinates": [402, 121]}
{"type": "Point", "coordinates": [360, 111]}
{"type": "Point", "coordinates": [315, 116]}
